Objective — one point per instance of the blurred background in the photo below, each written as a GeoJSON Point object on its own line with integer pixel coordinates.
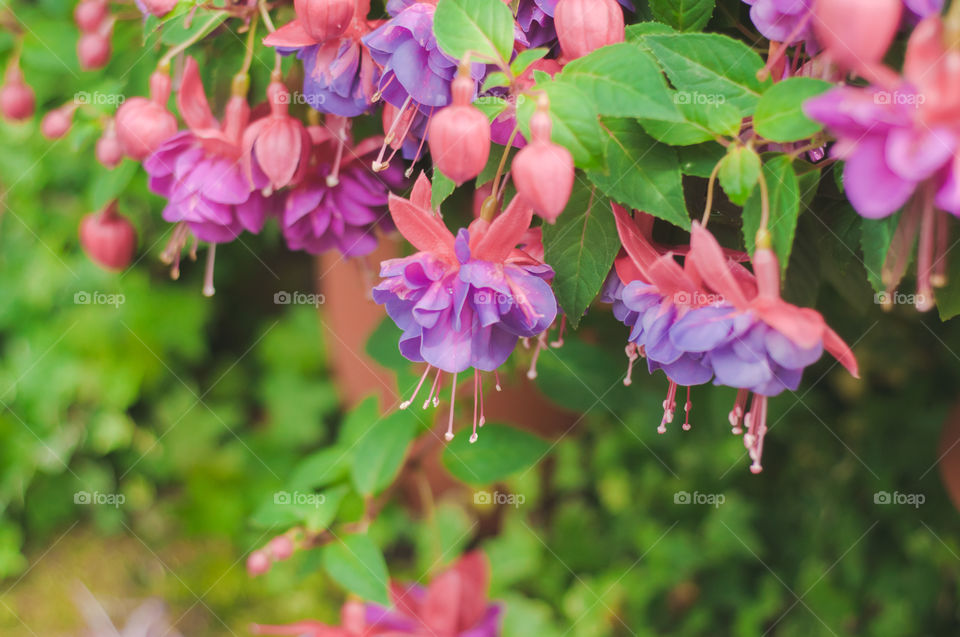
{"type": "Point", "coordinates": [144, 429]}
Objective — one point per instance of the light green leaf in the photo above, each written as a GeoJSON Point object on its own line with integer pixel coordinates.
{"type": "Point", "coordinates": [480, 27]}
{"type": "Point", "coordinates": [784, 208]}
{"type": "Point", "coordinates": [581, 247]}
{"type": "Point", "coordinates": [497, 79]}
{"type": "Point", "coordinates": [683, 15]}
{"type": "Point", "coordinates": [499, 452]}
{"type": "Point", "coordinates": [525, 58]}
{"type": "Point", "coordinates": [700, 122]}
{"type": "Point", "coordinates": [379, 454]}
{"type": "Point", "coordinates": [111, 183]}
{"type": "Point", "coordinates": [358, 566]}
{"type": "Point", "coordinates": [643, 174]}
{"type": "Point", "coordinates": [739, 172]}
{"type": "Point", "coordinates": [575, 124]}
{"type": "Point", "coordinates": [780, 116]}
{"type": "Point", "coordinates": [443, 187]}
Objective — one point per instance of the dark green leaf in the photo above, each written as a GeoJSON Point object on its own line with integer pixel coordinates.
{"type": "Point", "coordinates": [876, 235]}
{"type": "Point", "coordinates": [738, 173]}
{"type": "Point", "coordinates": [358, 565]}
{"type": "Point", "coordinates": [481, 27]}
{"type": "Point", "coordinates": [683, 15]}
{"type": "Point", "coordinates": [948, 297]}
{"type": "Point", "coordinates": [779, 116]}
{"type": "Point", "coordinates": [319, 469]}
{"type": "Point", "coordinates": [581, 247]}
{"type": "Point", "coordinates": [700, 122]}
{"type": "Point", "coordinates": [499, 452]}
{"type": "Point", "coordinates": [784, 207]}
{"type": "Point", "coordinates": [643, 174]}
{"type": "Point", "coordinates": [700, 160]}
{"type": "Point", "coordinates": [379, 454]}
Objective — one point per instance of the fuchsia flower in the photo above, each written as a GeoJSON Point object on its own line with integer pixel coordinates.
{"type": "Point", "coordinates": [712, 319]}
{"type": "Point", "coordinates": [143, 124]}
{"type": "Point", "coordinates": [455, 604]}
{"type": "Point", "coordinates": [464, 301]}
{"type": "Point", "coordinates": [278, 145]}
{"type": "Point", "coordinates": [543, 171]}
{"type": "Point", "coordinates": [902, 144]}
{"type": "Point", "coordinates": [200, 172]}
{"type": "Point", "coordinates": [340, 77]}
{"type": "Point", "coordinates": [340, 203]}
{"type": "Point", "coordinates": [460, 135]}
{"type": "Point", "coordinates": [584, 26]}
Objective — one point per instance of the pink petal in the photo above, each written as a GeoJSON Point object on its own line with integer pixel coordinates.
{"type": "Point", "coordinates": [840, 351]}
{"type": "Point", "coordinates": [803, 326]}
{"type": "Point", "coordinates": [643, 254]}
{"type": "Point", "coordinates": [291, 35]}
{"type": "Point", "coordinates": [475, 581]}
{"type": "Point", "coordinates": [441, 609]}
{"type": "Point", "coordinates": [712, 264]}
{"type": "Point", "coordinates": [192, 101]}
{"type": "Point", "coordinates": [418, 225]}
{"type": "Point", "coordinates": [505, 232]}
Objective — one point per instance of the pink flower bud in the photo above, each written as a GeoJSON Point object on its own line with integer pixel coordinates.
{"type": "Point", "coordinates": [278, 143]}
{"type": "Point", "coordinates": [57, 122]}
{"type": "Point", "coordinates": [108, 150]}
{"type": "Point", "coordinates": [459, 135]}
{"type": "Point", "coordinates": [17, 101]}
{"type": "Point", "coordinates": [586, 25]}
{"type": "Point", "coordinates": [89, 14]}
{"type": "Point", "coordinates": [281, 548]}
{"type": "Point", "coordinates": [143, 124]}
{"type": "Point", "coordinates": [324, 19]}
{"type": "Point", "coordinates": [857, 33]}
{"type": "Point", "coordinates": [158, 8]}
{"type": "Point", "coordinates": [93, 50]}
{"type": "Point", "coordinates": [543, 171]}
{"type": "Point", "coordinates": [108, 238]}
{"type": "Point", "coordinates": [258, 563]}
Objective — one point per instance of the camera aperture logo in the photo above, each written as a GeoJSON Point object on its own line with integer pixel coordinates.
{"type": "Point", "coordinates": [298, 498]}
{"type": "Point", "coordinates": [298, 298]}
{"type": "Point", "coordinates": [709, 499]}
{"type": "Point", "coordinates": [915, 500]}
{"type": "Point", "coordinates": [115, 500]}
{"type": "Point", "coordinates": [98, 298]}
{"type": "Point", "coordinates": [485, 498]}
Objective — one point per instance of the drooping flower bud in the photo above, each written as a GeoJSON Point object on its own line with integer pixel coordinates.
{"type": "Point", "coordinates": [157, 8]}
{"type": "Point", "coordinates": [108, 238]}
{"type": "Point", "coordinates": [278, 144]}
{"type": "Point", "coordinates": [16, 97]}
{"type": "Point", "coordinates": [459, 135]}
{"type": "Point", "coordinates": [57, 122]}
{"type": "Point", "coordinates": [89, 14]}
{"type": "Point", "coordinates": [586, 25]}
{"type": "Point", "coordinates": [143, 124]}
{"type": "Point", "coordinates": [324, 19]}
{"type": "Point", "coordinates": [543, 171]}
{"type": "Point", "coordinates": [281, 547]}
{"type": "Point", "coordinates": [108, 150]}
{"type": "Point", "coordinates": [857, 33]}
{"type": "Point", "coordinates": [93, 49]}
{"type": "Point", "coordinates": [258, 563]}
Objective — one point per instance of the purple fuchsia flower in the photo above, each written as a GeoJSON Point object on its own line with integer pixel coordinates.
{"type": "Point", "coordinates": [340, 203]}
{"type": "Point", "coordinates": [901, 145]}
{"type": "Point", "coordinates": [463, 301]}
{"type": "Point", "coordinates": [786, 21]}
{"type": "Point", "coordinates": [340, 77]}
{"type": "Point", "coordinates": [200, 172]}
{"type": "Point", "coordinates": [711, 318]}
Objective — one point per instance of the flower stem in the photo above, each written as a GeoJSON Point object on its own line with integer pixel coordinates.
{"type": "Point", "coordinates": [711, 185]}
{"type": "Point", "coordinates": [490, 210]}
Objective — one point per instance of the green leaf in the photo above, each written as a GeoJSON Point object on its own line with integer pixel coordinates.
{"type": "Point", "coordinates": [623, 80]}
{"type": "Point", "coordinates": [200, 23]}
{"type": "Point", "coordinates": [286, 508]}
{"type": "Point", "coordinates": [111, 183]}
{"type": "Point", "coordinates": [876, 235]}
{"type": "Point", "coordinates": [643, 174]}
{"type": "Point", "coordinates": [525, 58]}
{"type": "Point", "coordinates": [358, 566]}
{"type": "Point", "coordinates": [683, 15]}
{"type": "Point", "coordinates": [379, 454]}
{"type": "Point", "coordinates": [948, 297]}
{"type": "Point", "coordinates": [784, 208]}
{"type": "Point", "coordinates": [575, 123]}
{"type": "Point", "coordinates": [481, 27]}
{"type": "Point", "coordinates": [700, 160]}
{"type": "Point", "coordinates": [581, 246]}
{"type": "Point", "coordinates": [443, 187]}
{"type": "Point", "coordinates": [700, 122]}
{"type": "Point", "coordinates": [739, 172]}
{"type": "Point", "coordinates": [779, 116]}
{"type": "Point", "coordinates": [319, 469]}
{"type": "Point", "coordinates": [635, 32]}
{"type": "Point", "coordinates": [497, 79]}
{"type": "Point", "coordinates": [499, 452]}
{"type": "Point", "coordinates": [711, 67]}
